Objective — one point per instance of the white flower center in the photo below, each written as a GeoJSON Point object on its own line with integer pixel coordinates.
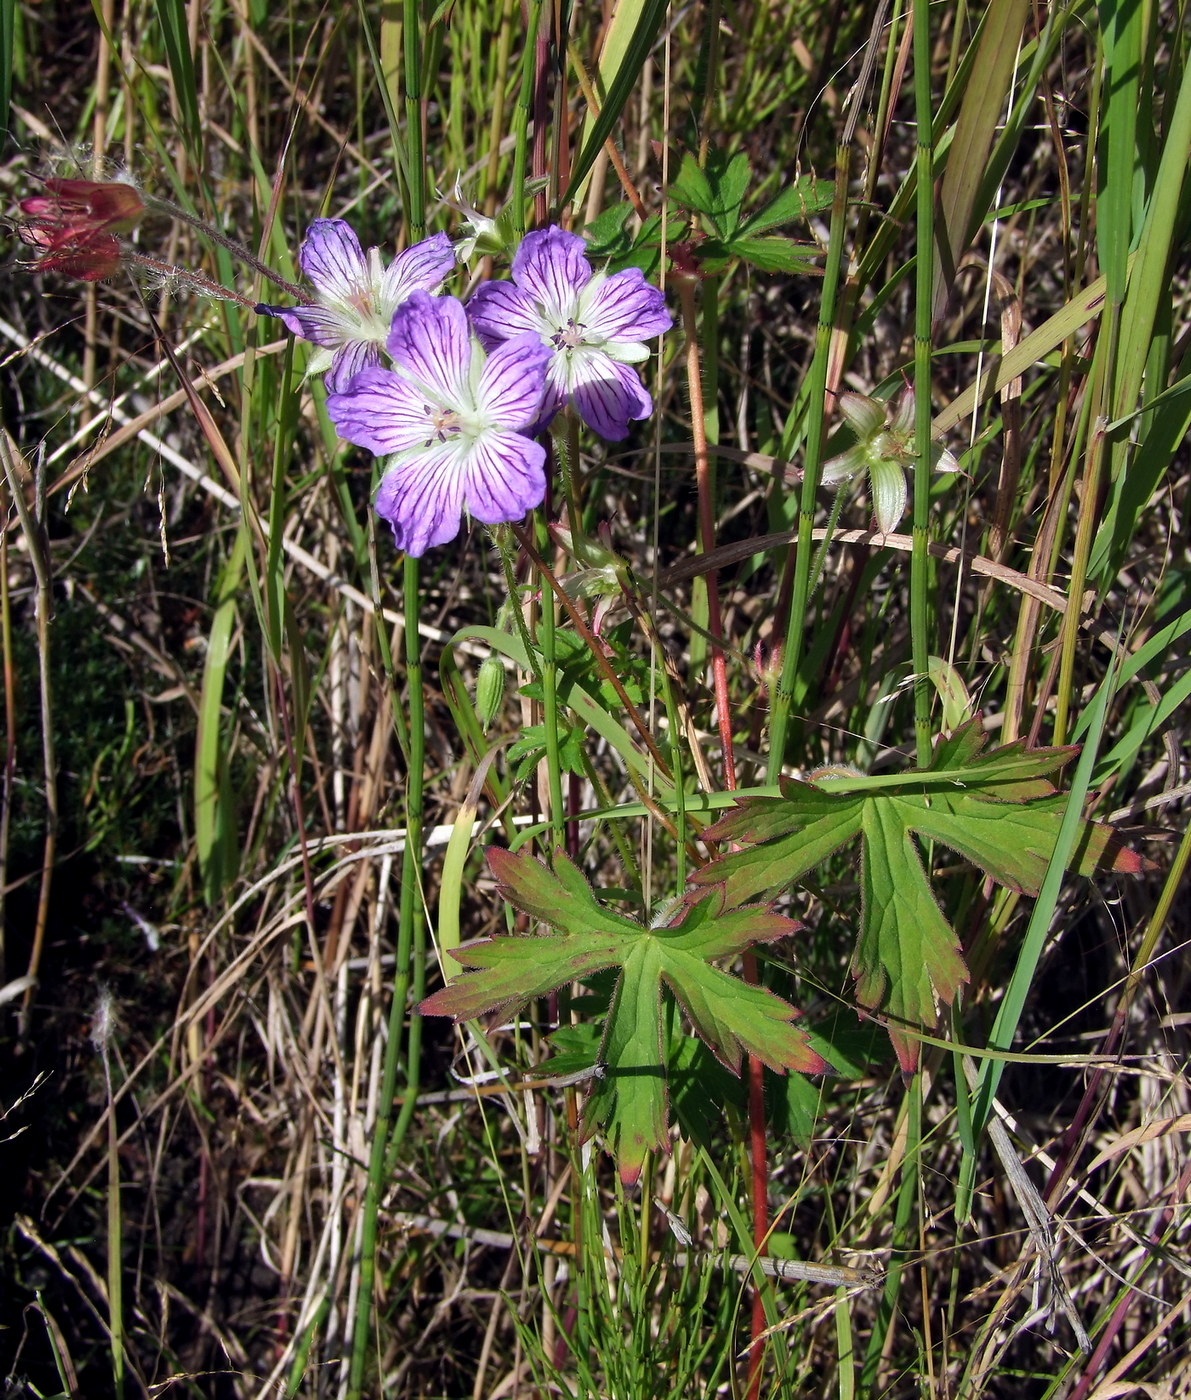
{"type": "Point", "coordinates": [442, 422]}
{"type": "Point", "coordinates": [570, 336]}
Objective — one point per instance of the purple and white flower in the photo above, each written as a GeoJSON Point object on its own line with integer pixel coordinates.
{"type": "Point", "coordinates": [356, 296]}
{"type": "Point", "coordinates": [449, 421]}
{"type": "Point", "coordinates": [594, 324]}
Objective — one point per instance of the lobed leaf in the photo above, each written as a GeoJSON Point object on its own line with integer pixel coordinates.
{"type": "Point", "coordinates": [630, 1103]}
{"type": "Point", "coordinates": [806, 196]}
{"type": "Point", "coordinates": [998, 810]}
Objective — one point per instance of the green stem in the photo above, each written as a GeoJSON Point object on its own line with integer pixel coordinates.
{"type": "Point", "coordinates": [779, 717]}
{"type": "Point", "coordinates": [412, 33]}
{"type": "Point", "coordinates": [409, 972]}
{"type": "Point", "coordinates": [924, 287]}
{"type": "Point", "coordinates": [550, 714]}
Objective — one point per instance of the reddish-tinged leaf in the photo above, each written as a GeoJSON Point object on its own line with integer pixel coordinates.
{"type": "Point", "coordinates": [997, 809]}
{"type": "Point", "coordinates": [630, 1102]}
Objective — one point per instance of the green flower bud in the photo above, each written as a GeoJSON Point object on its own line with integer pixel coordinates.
{"type": "Point", "coordinates": [490, 689]}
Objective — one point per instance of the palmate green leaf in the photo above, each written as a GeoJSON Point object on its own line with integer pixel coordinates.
{"type": "Point", "coordinates": [630, 1102]}
{"type": "Point", "coordinates": [997, 809]}
{"type": "Point", "coordinates": [716, 190]}
{"type": "Point", "coordinates": [773, 252]}
{"type": "Point", "coordinates": [806, 196]}
{"type": "Point", "coordinates": [768, 253]}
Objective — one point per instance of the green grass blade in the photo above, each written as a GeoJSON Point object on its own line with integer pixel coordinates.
{"type": "Point", "coordinates": [8, 11]}
{"type": "Point", "coordinates": [631, 36]}
{"type": "Point", "coordinates": [214, 812]}
{"type": "Point", "coordinates": [175, 30]}
{"type": "Point", "coordinates": [1013, 1002]}
{"type": "Point", "coordinates": [975, 131]}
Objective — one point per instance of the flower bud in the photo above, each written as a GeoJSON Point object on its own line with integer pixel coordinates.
{"type": "Point", "coordinates": [490, 689]}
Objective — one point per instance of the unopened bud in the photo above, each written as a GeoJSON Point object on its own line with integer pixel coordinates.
{"type": "Point", "coordinates": [490, 689]}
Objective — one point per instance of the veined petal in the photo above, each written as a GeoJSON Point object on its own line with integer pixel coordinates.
{"type": "Point", "coordinates": [500, 311]}
{"type": "Point", "coordinates": [554, 396]}
{"type": "Point", "coordinates": [430, 343]}
{"type": "Point", "coordinates": [512, 383]}
{"type": "Point", "coordinates": [348, 361]}
{"type": "Point", "coordinates": [606, 394]}
{"type": "Point", "coordinates": [865, 416]}
{"type": "Point", "coordinates": [625, 307]}
{"type": "Point", "coordinates": [503, 477]}
{"type": "Point", "coordinates": [422, 268]}
{"type": "Point", "coordinates": [324, 325]}
{"type": "Point", "coordinates": [380, 411]}
{"type": "Point", "coordinates": [551, 267]}
{"type": "Point", "coordinates": [421, 496]}
{"type": "Point", "coordinates": [332, 259]}
{"type": "Point", "coordinates": [887, 482]}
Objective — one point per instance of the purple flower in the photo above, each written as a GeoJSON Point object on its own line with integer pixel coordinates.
{"type": "Point", "coordinates": [593, 323]}
{"type": "Point", "coordinates": [449, 421]}
{"type": "Point", "coordinates": [356, 296]}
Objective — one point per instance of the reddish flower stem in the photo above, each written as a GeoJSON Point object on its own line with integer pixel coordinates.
{"type": "Point", "coordinates": [719, 671]}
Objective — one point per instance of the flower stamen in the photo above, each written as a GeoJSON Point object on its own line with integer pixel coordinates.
{"type": "Point", "coordinates": [570, 336]}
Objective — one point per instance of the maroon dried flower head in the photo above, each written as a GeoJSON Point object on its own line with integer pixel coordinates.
{"type": "Point", "coordinates": [102, 204]}
{"type": "Point", "coordinates": [75, 225]}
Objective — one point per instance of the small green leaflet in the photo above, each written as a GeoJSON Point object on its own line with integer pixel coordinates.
{"type": "Point", "coordinates": [719, 190]}
{"type": "Point", "coordinates": [630, 1102]}
{"type": "Point", "coordinates": [998, 809]}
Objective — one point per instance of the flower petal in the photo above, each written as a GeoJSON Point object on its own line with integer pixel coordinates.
{"type": "Point", "coordinates": [504, 477]}
{"type": "Point", "coordinates": [887, 483]}
{"type": "Point", "coordinates": [350, 360]}
{"type": "Point", "coordinates": [606, 394]}
{"type": "Point", "coordinates": [332, 259]}
{"type": "Point", "coordinates": [430, 344]}
{"type": "Point", "coordinates": [551, 267]}
{"type": "Point", "coordinates": [625, 307]}
{"type": "Point", "coordinates": [500, 311]}
{"type": "Point", "coordinates": [321, 324]}
{"type": "Point", "coordinates": [424, 267]}
{"type": "Point", "coordinates": [555, 394]}
{"type": "Point", "coordinates": [513, 381]}
{"type": "Point", "coordinates": [380, 411]}
{"type": "Point", "coordinates": [864, 416]}
{"type": "Point", "coordinates": [421, 496]}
